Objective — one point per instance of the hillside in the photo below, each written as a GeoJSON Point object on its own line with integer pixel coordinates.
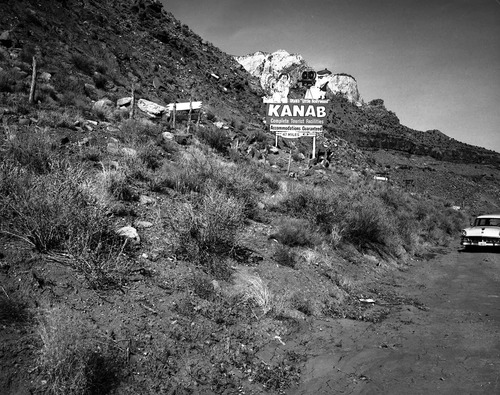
{"type": "Point", "coordinates": [368, 125]}
{"type": "Point", "coordinates": [147, 251]}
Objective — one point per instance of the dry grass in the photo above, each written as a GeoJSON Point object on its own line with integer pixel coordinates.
{"type": "Point", "coordinates": [252, 288]}
{"type": "Point", "coordinates": [73, 358]}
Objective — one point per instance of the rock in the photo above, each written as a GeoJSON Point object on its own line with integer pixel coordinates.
{"type": "Point", "coordinates": [168, 136]}
{"type": "Point", "coordinates": [130, 233]}
{"type": "Point", "coordinates": [274, 150]}
{"type": "Point", "coordinates": [143, 224]}
{"type": "Point", "coordinates": [45, 77]}
{"type": "Point", "coordinates": [24, 122]}
{"type": "Point", "coordinates": [146, 200]}
{"type": "Point", "coordinates": [216, 285]}
{"type": "Point", "coordinates": [6, 39]}
{"type": "Point", "coordinates": [113, 129]}
{"type": "Point", "coordinates": [104, 105]}
{"type": "Point", "coordinates": [151, 108]}
{"type": "Point", "coordinates": [124, 102]}
{"type": "Point", "coordinates": [91, 91]}
{"type": "Point", "coordinates": [84, 142]}
{"type": "Point", "coordinates": [4, 54]}
{"type": "Point", "coordinates": [129, 152]}
{"type": "Point", "coordinates": [113, 148]}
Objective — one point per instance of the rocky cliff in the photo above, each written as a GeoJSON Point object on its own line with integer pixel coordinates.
{"type": "Point", "coordinates": [268, 67]}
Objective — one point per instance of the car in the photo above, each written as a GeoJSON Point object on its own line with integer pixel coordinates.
{"type": "Point", "coordinates": [484, 232]}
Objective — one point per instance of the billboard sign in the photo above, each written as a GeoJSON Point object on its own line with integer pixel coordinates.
{"type": "Point", "coordinates": [294, 118]}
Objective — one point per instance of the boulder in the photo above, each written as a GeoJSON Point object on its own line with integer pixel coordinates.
{"type": "Point", "coordinates": [104, 105]}
{"type": "Point", "coordinates": [129, 233]}
{"type": "Point", "coordinates": [113, 148]}
{"type": "Point", "coordinates": [151, 108]}
{"type": "Point", "coordinates": [124, 102]}
{"type": "Point", "coordinates": [129, 152]}
{"type": "Point", "coordinates": [167, 136]}
{"type": "Point", "coordinates": [143, 224]}
{"type": "Point", "coordinates": [146, 200]}
{"type": "Point", "coordinates": [45, 77]}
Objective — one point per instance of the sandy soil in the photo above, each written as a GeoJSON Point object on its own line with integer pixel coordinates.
{"type": "Point", "coordinates": [449, 345]}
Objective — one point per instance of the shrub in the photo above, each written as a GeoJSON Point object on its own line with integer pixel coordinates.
{"type": "Point", "coordinates": [196, 172]}
{"type": "Point", "coordinates": [53, 213]}
{"type": "Point", "coordinates": [296, 233]}
{"type": "Point", "coordinates": [208, 229]}
{"type": "Point", "coordinates": [252, 288]}
{"type": "Point", "coordinates": [284, 256]}
{"type": "Point", "coordinates": [99, 80]}
{"type": "Point", "coordinates": [12, 311]}
{"type": "Point", "coordinates": [301, 303]}
{"type": "Point", "coordinates": [83, 63]}
{"type": "Point", "coordinates": [320, 206]}
{"type": "Point", "coordinates": [216, 138]}
{"type": "Point", "coordinates": [202, 286]}
{"type": "Point", "coordinates": [66, 118]}
{"type": "Point", "coordinates": [134, 131]}
{"type": "Point", "coordinates": [367, 222]}
{"type": "Point", "coordinates": [7, 82]}
{"type": "Point", "coordinates": [33, 150]}
{"type": "Point", "coordinates": [73, 359]}
{"type": "Point", "coordinates": [151, 155]}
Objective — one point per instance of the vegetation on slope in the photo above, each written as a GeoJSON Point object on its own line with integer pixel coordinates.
{"type": "Point", "coordinates": [232, 256]}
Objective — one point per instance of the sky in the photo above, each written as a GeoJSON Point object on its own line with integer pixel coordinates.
{"type": "Point", "coordinates": [435, 63]}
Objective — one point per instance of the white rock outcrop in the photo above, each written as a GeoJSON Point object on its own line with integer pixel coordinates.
{"type": "Point", "coordinates": [269, 67]}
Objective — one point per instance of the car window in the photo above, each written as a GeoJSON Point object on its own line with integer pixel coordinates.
{"type": "Point", "coordinates": [487, 222]}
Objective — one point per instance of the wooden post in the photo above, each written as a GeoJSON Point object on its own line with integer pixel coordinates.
{"type": "Point", "coordinates": [132, 105]}
{"type": "Point", "coordinates": [190, 111]}
{"type": "Point", "coordinates": [289, 163]}
{"type": "Point", "coordinates": [33, 83]}
{"type": "Point", "coordinates": [173, 117]}
{"type": "Point", "coordinates": [198, 120]}
{"type": "Point", "coordinates": [314, 147]}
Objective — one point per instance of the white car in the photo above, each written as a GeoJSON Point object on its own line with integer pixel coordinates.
{"type": "Point", "coordinates": [484, 232]}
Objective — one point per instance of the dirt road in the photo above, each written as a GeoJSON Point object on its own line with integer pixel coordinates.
{"type": "Point", "coordinates": [450, 347]}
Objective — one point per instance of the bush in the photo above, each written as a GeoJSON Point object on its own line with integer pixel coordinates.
{"type": "Point", "coordinates": [208, 229]}
{"type": "Point", "coordinates": [284, 256]}
{"type": "Point", "coordinates": [99, 80]}
{"type": "Point", "coordinates": [296, 233]}
{"type": "Point", "coordinates": [320, 206]}
{"type": "Point", "coordinates": [33, 150]}
{"type": "Point", "coordinates": [196, 172]}
{"type": "Point", "coordinates": [151, 155]}
{"type": "Point", "coordinates": [12, 311]}
{"type": "Point", "coordinates": [216, 138]}
{"type": "Point", "coordinates": [367, 222]}
{"type": "Point", "coordinates": [53, 213]}
{"type": "Point", "coordinates": [301, 303]}
{"type": "Point", "coordinates": [73, 359]}
{"type": "Point", "coordinates": [7, 82]}
{"type": "Point", "coordinates": [253, 289]}
{"type": "Point", "coordinates": [138, 132]}
{"type": "Point", "coordinates": [83, 63]}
